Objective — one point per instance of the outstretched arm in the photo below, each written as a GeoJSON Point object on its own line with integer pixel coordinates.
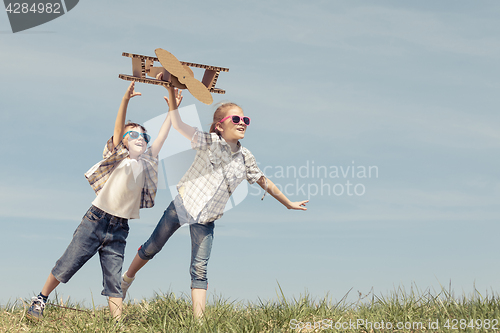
{"type": "Point", "coordinates": [174, 101]}
{"type": "Point", "coordinates": [183, 128]}
{"type": "Point", "coordinates": [276, 193]}
{"type": "Point", "coordinates": [122, 114]}
{"type": "Point", "coordinates": [162, 136]}
{"type": "Point", "coordinates": [179, 125]}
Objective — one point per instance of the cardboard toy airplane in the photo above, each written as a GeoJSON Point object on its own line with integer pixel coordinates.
{"type": "Point", "coordinates": [175, 73]}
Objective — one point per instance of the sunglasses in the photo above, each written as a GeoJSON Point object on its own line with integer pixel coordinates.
{"type": "Point", "coordinates": [135, 135]}
{"type": "Point", "coordinates": [236, 119]}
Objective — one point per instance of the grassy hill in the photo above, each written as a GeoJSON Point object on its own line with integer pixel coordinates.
{"type": "Point", "coordinates": [399, 311]}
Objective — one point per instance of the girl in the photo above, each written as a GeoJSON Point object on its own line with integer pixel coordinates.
{"type": "Point", "coordinates": [220, 165]}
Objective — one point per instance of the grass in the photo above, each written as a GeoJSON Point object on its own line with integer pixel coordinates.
{"type": "Point", "coordinates": [405, 311]}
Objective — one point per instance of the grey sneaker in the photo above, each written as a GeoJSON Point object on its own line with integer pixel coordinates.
{"type": "Point", "coordinates": [126, 285]}
{"type": "Point", "coordinates": [36, 308]}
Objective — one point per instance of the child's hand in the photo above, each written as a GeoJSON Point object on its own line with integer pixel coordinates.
{"type": "Point", "coordinates": [299, 205]}
{"type": "Point", "coordinates": [131, 92]}
{"type": "Point", "coordinates": [178, 99]}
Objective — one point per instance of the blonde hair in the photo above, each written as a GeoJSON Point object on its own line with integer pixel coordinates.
{"type": "Point", "coordinates": [220, 112]}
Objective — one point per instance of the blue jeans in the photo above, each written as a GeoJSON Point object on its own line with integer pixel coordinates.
{"type": "Point", "coordinates": [98, 232]}
{"type": "Point", "coordinates": [201, 244]}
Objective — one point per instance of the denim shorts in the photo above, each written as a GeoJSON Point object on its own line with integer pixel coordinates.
{"type": "Point", "coordinates": [98, 232]}
{"type": "Point", "coordinates": [201, 244]}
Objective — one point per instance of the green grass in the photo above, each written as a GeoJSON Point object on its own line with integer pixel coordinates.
{"type": "Point", "coordinates": [370, 313]}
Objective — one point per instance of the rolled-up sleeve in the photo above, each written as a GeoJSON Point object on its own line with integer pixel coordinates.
{"type": "Point", "coordinates": [253, 171]}
{"type": "Point", "coordinates": [201, 140]}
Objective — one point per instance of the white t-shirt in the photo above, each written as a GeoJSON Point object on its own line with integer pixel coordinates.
{"type": "Point", "coordinates": [121, 195]}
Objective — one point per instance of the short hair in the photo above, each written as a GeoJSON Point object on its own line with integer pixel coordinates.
{"type": "Point", "coordinates": [132, 124]}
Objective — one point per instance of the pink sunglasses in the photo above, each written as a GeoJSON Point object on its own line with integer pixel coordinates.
{"type": "Point", "coordinates": [236, 119]}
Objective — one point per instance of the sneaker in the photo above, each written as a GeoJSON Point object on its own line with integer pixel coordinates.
{"type": "Point", "coordinates": [126, 285]}
{"type": "Point", "coordinates": [36, 308]}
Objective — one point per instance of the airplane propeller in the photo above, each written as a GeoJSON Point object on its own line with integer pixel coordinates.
{"type": "Point", "coordinates": [182, 76]}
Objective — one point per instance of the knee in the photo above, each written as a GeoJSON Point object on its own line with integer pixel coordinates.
{"type": "Point", "coordinates": [148, 251]}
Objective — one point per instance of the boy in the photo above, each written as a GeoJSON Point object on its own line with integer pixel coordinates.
{"type": "Point", "coordinates": [124, 181]}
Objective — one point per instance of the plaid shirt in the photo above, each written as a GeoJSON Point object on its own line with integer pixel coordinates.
{"type": "Point", "coordinates": [214, 175]}
{"type": "Point", "coordinates": [99, 173]}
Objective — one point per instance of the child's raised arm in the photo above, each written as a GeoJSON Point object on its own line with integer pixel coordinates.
{"type": "Point", "coordinates": [122, 114]}
{"type": "Point", "coordinates": [269, 186]}
{"type": "Point", "coordinates": [176, 98]}
{"type": "Point", "coordinates": [177, 122]}
{"type": "Point", "coordinates": [179, 125]}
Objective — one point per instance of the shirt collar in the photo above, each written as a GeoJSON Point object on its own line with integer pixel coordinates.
{"type": "Point", "coordinates": [227, 147]}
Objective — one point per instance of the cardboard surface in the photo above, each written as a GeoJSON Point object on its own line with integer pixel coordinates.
{"type": "Point", "coordinates": [208, 78]}
{"type": "Point", "coordinates": [145, 80]}
{"type": "Point", "coordinates": [175, 73]}
{"type": "Point", "coordinates": [174, 66]}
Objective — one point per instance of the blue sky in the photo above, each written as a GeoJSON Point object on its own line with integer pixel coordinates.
{"type": "Point", "coordinates": [410, 88]}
